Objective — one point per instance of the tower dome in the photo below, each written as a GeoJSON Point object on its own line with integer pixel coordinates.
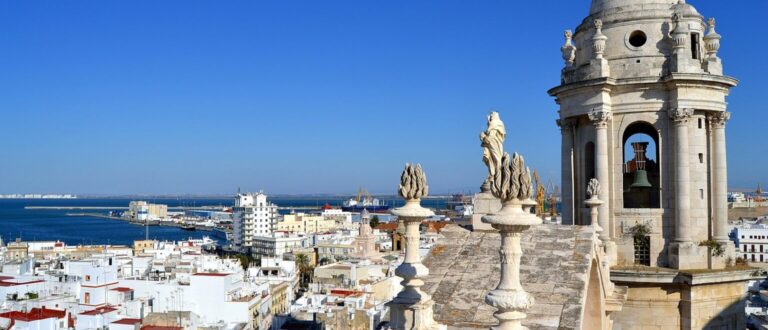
{"type": "Point", "coordinates": [606, 5]}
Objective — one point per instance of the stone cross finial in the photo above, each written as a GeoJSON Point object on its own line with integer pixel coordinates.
{"type": "Point", "coordinates": [568, 50]}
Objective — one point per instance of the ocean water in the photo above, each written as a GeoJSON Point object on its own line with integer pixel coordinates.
{"type": "Point", "coordinates": [52, 225]}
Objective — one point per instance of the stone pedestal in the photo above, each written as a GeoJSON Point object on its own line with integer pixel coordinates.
{"type": "Point", "coordinates": [485, 203]}
{"type": "Point", "coordinates": [688, 255]}
{"type": "Point", "coordinates": [509, 297]}
{"type": "Point", "coordinates": [412, 308]}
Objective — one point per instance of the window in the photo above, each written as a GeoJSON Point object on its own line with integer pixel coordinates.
{"type": "Point", "coordinates": [701, 158]}
{"type": "Point", "coordinates": [637, 39]}
{"type": "Point", "coordinates": [700, 124]}
{"type": "Point", "coordinates": [87, 278]}
{"type": "Point", "coordinates": [87, 298]}
{"type": "Point", "coordinates": [695, 46]}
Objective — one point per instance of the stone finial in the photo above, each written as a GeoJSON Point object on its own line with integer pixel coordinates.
{"type": "Point", "coordinates": [599, 40]}
{"type": "Point", "coordinates": [413, 183]}
{"type": "Point", "coordinates": [568, 50]}
{"type": "Point", "coordinates": [513, 180]}
{"type": "Point", "coordinates": [593, 188]}
{"type": "Point", "coordinates": [712, 40]}
{"type": "Point", "coordinates": [680, 33]}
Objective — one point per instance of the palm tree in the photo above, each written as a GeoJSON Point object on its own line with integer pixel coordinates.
{"type": "Point", "coordinates": [305, 268]}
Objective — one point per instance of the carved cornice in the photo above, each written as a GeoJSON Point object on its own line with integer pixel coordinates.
{"type": "Point", "coordinates": [680, 116]}
{"type": "Point", "coordinates": [718, 119]}
{"type": "Point", "coordinates": [600, 118]}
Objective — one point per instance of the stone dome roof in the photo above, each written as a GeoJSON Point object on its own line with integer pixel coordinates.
{"type": "Point", "coordinates": [605, 5]}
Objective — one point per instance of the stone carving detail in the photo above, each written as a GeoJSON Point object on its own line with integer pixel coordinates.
{"type": "Point", "coordinates": [680, 116]}
{"type": "Point", "coordinates": [712, 40]}
{"type": "Point", "coordinates": [512, 184]}
{"type": "Point", "coordinates": [680, 33]}
{"type": "Point", "coordinates": [492, 141]}
{"type": "Point", "coordinates": [412, 308]}
{"type": "Point", "coordinates": [413, 183]}
{"type": "Point", "coordinates": [512, 180]}
{"type": "Point", "coordinates": [568, 50]}
{"type": "Point", "coordinates": [718, 119]}
{"type": "Point", "coordinates": [593, 188]}
{"type": "Point", "coordinates": [600, 118]}
{"type": "Point", "coordinates": [598, 40]}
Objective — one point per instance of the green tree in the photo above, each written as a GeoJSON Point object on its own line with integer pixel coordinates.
{"type": "Point", "coordinates": [324, 261]}
{"type": "Point", "coordinates": [305, 269]}
{"type": "Point", "coordinates": [375, 221]}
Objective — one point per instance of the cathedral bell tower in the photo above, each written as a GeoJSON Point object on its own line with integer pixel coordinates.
{"type": "Point", "coordinates": [643, 110]}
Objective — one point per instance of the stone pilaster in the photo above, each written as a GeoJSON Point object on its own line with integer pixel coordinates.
{"type": "Point", "coordinates": [567, 212]}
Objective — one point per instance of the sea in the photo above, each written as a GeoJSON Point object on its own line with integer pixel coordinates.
{"type": "Point", "coordinates": [16, 221]}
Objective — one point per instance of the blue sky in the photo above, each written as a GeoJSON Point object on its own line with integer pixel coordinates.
{"type": "Point", "coordinates": [304, 96]}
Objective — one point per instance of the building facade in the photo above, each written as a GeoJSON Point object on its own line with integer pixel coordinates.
{"type": "Point", "coordinates": [751, 242]}
{"type": "Point", "coordinates": [253, 216]}
{"type": "Point", "coordinates": [306, 223]}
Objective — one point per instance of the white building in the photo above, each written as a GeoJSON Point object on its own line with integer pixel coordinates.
{"type": "Point", "coordinates": [253, 216]}
{"type": "Point", "coordinates": [751, 242]}
{"type": "Point", "coordinates": [278, 244]}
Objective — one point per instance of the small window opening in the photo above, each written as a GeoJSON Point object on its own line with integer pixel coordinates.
{"type": "Point", "coordinates": [701, 158]}
{"type": "Point", "coordinates": [695, 46]}
{"type": "Point", "coordinates": [642, 250]}
{"type": "Point", "coordinates": [637, 38]}
{"type": "Point", "coordinates": [701, 193]}
{"type": "Point", "coordinates": [700, 123]}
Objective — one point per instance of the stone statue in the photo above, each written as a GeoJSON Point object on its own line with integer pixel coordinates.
{"type": "Point", "coordinates": [492, 141]}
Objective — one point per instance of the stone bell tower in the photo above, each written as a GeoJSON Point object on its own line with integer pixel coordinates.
{"type": "Point", "coordinates": [643, 110]}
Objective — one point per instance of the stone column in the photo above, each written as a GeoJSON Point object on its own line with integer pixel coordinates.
{"type": "Point", "coordinates": [681, 117]}
{"type": "Point", "coordinates": [601, 118]}
{"type": "Point", "coordinates": [567, 212]}
{"type": "Point", "coordinates": [720, 176]}
{"type": "Point", "coordinates": [412, 308]}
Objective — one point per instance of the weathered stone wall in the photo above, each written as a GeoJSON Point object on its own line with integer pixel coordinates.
{"type": "Point", "coordinates": [464, 267]}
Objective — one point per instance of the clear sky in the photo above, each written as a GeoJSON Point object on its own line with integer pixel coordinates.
{"type": "Point", "coordinates": [305, 96]}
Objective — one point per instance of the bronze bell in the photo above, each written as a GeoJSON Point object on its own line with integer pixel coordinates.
{"type": "Point", "coordinates": [641, 180]}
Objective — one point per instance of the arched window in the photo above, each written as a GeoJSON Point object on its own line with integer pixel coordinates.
{"type": "Point", "coordinates": [641, 166]}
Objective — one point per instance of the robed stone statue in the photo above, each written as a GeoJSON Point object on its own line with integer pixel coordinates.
{"type": "Point", "coordinates": [492, 141]}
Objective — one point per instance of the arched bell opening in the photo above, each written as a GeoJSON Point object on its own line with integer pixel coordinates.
{"type": "Point", "coordinates": [642, 176]}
